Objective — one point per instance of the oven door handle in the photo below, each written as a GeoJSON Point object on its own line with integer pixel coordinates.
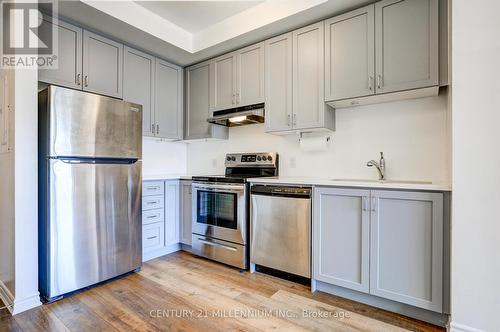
{"type": "Point", "coordinates": [215, 244]}
{"type": "Point", "coordinates": [220, 189]}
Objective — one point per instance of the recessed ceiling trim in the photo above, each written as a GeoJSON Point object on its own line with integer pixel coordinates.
{"type": "Point", "coordinates": [253, 18]}
{"type": "Point", "coordinates": [145, 20]}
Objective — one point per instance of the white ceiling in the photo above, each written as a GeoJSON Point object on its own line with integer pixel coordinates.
{"type": "Point", "coordinates": [194, 16]}
{"type": "Point", "coordinates": [174, 40]}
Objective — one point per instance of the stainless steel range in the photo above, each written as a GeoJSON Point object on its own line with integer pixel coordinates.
{"type": "Point", "coordinates": [221, 208]}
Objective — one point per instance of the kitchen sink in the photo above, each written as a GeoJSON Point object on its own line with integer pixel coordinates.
{"type": "Point", "coordinates": [382, 181]}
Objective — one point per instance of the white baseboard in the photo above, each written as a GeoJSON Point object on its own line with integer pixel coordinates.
{"type": "Point", "coordinates": [26, 304]}
{"type": "Point", "coordinates": [6, 296]}
{"type": "Point", "coordinates": [457, 327]}
{"type": "Point", "coordinates": [161, 252]}
{"type": "Point", "coordinates": [17, 306]}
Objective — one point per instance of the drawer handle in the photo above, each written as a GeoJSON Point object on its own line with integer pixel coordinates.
{"type": "Point", "coordinates": [152, 237]}
{"type": "Point", "coordinates": [153, 188]}
{"type": "Point", "coordinates": [152, 202]}
{"type": "Point", "coordinates": [154, 216]}
{"type": "Point", "coordinates": [213, 244]}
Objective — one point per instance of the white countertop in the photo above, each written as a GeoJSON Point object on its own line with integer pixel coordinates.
{"type": "Point", "coordinates": [151, 177]}
{"type": "Point", "coordinates": [311, 181]}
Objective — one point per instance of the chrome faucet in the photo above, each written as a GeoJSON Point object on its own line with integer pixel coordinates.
{"type": "Point", "coordinates": [379, 165]}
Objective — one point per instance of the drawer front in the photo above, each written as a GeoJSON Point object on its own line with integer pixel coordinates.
{"type": "Point", "coordinates": [152, 188]}
{"type": "Point", "coordinates": [153, 237]}
{"type": "Point", "coordinates": [153, 202]}
{"type": "Point", "coordinates": [153, 216]}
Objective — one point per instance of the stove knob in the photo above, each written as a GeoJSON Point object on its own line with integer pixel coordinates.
{"type": "Point", "coordinates": [270, 158]}
{"type": "Point", "coordinates": [228, 158]}
{"type": "Point", "coordinates": [259, 158]}
{"type": "Point", "coordinates": [233, 158]}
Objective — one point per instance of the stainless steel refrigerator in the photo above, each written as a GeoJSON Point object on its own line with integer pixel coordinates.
{"type": "Point", "coordinates": [90, 173]}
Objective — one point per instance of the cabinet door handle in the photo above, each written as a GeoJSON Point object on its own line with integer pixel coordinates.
{"type": "Point", "coordinates": [86, 80]}
{"type": "Point", "coordinates": [232, 100]}
{"type": "Point", "coordinates": [153, 128]}
{"type": "Point", "coordinates": [364, 203]}
{"type": "Point", "coordinates": [379, 81]}
{"type": "Point", "coordinates": [78, 79]}
{"type": "Point", "coordinates": [370, 83]}
{"type": "Point", "coordinates": [374, 204]}
{"type": "Point", "coordinates": [157, 129]}
{"type": "Point", "coordinates": [238, 98]}
{"type": "Point", "coordinates": [288, 123]}
{"type": "Point", "coordinates": [294, 119]}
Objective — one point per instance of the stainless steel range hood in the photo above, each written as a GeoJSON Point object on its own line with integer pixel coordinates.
{"type": "Point", "coordinates": [239, 116]}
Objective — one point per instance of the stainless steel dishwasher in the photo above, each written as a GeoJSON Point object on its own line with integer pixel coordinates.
{"type": "Point", "coordinates": [280, 228]}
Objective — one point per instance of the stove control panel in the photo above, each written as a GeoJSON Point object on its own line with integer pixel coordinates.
{"type": "Point", "coordinates": [268, 159]}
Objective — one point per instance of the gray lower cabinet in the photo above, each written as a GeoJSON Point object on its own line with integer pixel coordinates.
{"type": "Point", "coordinates": [199, 101]}
{"type": "Point", "coordinates": [172, 205]}
{"type": "Point", "coordinates": [153, 237]}
{"type": "Point", "coordinates": [341, 237]}
{"type": "Point", "coordinates": [69, 71]}
{"type": "Point", "coordinates": [138, 85]}
{"type": "Point", "coordinates": [102, 65]}
{"type": "Point", "coordinates": [161, 203]}
{"type": "Point", "coordinates": [381, 242]}
{"type": "Point", "coordinates": [406, 44]}
{"type": "Point", "coordinates": [186, 212]}
{"type": "Point", "coordinates": [153, 218]}
{"type": "Point", "coordinates": [407, 248]}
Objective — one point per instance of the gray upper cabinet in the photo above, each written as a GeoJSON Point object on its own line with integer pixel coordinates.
{"type": "Point", "coordinates": [278, 83]}
{"type": "Point", "coordinates": [224, 81]}
{"type": "Point", "coordinates": [341, 237]}
{"type": "Point", "coordinates": [350, 55]}
{"type": "Point", "coordinates": [199, 101]}
{"type": "Point", "coordinates": [406, 44]}
{"type": "Point", "coordinates": [168, 100]}
{"type": "Point", "coordinates": [138, 85]}
{"type": "Point", "coordinates": [250, 75]}
{"type": "Point", "coordinates": [69, 71]}
{"type": "Point", "coordinates": [309, 110]}
{"type": "Point", "coordinates": [102, 65]}
{"type": "Point", "coordinates": [407, 248]}
{"type": "Point", "coordinates": [238, 78]}
{"type": "Point", "coordinates": [186, 226]}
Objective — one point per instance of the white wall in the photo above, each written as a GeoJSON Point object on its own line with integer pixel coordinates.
{"type": "Point", "coordinates": [413, 135]}
{"type": "Point", "coordinates": [476, 163]}
{"type": "Point", "coordinates": [163, 157]}
{"type": "Point", "coordinates": [26, 190]}
{"type": "Point", "coordinates": [7, 197]}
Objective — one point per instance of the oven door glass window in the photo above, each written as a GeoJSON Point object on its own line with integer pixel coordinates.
{"type": "Point", "coordinates": [217, 209]}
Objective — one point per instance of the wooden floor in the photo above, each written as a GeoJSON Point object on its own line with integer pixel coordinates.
{"type": "Point", "coordinates": [180, 292]}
